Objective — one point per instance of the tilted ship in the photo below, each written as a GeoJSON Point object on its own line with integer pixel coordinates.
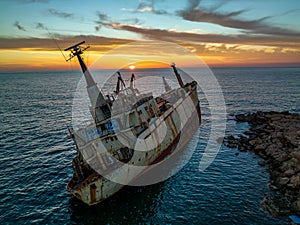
{"type": "Point", "coordinates": [106, 151]}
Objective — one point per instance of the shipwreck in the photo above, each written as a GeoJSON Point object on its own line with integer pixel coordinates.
{"type": "Point", "coordinates": [105, 148]}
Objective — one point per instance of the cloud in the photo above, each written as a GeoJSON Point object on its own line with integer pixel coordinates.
{"type": "Point", "coordinates": [193, 4]}
{"type": "Point", "coordinates": [289, 12]}
{"type": "Point", "coordinates": [199, 14]}
{"type": "Point", "coordinates": [147, 6]}
{"type": "Point", "coordinates": [134, 21]}
{"type": "Point", "coordinates": [102, 16]}
{"type": "Point", "coordinates": [177, 36]}
{"type": "Point", "coordinates": [60, 14]}
{"type": "Point", "coordinates": [290, 39]}
{"type": "Point", "coordinates": [105, 20]}
{"type": "Point", "coordinates": [43, 44]}
{"type": "Point", "coordinates": [40, 26]}
{"type": "Point", "coordinates": [17, 25]}
{"type": "Point", "coordinates": [213, 54]}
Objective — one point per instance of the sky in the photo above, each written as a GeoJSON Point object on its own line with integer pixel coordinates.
{"type": "Point", "coordinates": [223, 33]}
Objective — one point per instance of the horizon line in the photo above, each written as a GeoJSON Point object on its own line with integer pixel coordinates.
{"type": "Point", "coordinates": [147, 68]}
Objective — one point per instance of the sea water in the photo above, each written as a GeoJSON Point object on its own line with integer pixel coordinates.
{"type": "Point", "coordinates": [36, 157]}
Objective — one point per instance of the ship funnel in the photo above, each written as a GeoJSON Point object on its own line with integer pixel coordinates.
{"type": "Point", "coordinates": [99, 108]}
{"type": "Point", "coordinates": [177, 75]}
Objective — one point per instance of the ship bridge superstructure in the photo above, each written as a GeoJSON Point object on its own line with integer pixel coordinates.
{"type": "Point", "coordinates": [160, 124]}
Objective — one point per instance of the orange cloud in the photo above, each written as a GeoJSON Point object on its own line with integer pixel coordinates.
{"type": "Point", "coordinates": [36, 54]}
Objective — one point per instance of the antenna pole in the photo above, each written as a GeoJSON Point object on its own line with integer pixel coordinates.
{"type": "Point", "coordinates": [56, 44]}
{"type": "Point", "coordinates": [100, 109]}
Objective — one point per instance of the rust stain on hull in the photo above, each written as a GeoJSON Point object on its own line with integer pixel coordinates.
{"type": "Point", "coordinates": [176, 109]}
{"type": "Point", "coordinates": [106, 188]}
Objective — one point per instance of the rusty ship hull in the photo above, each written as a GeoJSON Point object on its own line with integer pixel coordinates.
{"type": "Point", "coordinates": [95, 188]}
{"type": "Point", "coordinates": [108, 157]}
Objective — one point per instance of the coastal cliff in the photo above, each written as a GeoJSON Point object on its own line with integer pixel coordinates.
{"type": "Point", "coordinates": [275, 138]}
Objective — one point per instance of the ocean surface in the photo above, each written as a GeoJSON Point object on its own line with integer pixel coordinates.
{"type": "Point", "coordinates": [36, 155]}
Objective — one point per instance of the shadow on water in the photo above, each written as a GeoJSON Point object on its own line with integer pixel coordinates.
{"type": "Point", "coordinates": [131, 205]}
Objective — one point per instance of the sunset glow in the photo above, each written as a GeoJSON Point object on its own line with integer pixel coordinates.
{"type": "Point", "coordinates": [222, 34]}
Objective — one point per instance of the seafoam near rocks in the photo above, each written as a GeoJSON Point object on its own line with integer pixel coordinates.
{"type": "Point", "coordinates": [275, 137]}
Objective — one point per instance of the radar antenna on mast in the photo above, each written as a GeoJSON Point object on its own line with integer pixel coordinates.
{"type": "Point", "coordinates": [99, 106]}
{"type": "Point", "coordinates": [76, 50]}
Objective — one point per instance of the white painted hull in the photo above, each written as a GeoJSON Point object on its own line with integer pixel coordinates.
{"type": "Point", "coordinates": [95, 188]}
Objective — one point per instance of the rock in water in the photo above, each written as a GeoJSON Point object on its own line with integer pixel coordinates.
{"type": "Point", "coordinates": [275, 137]}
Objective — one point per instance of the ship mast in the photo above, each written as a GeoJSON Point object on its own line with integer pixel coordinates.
{"type": "Point", "coordinates": [131, 81]}
{"type": "Point", "coordinates": [177, 75]}
{"type": "Point", "coordinates": [119, 82]}
{"type": "Point", "coordinates": [100, 109]}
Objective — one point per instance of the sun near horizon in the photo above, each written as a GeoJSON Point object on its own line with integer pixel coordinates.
{"type": "Point", "coordinates": [28, 60]}
{"type": "Point", "coordinates": [222, 34]}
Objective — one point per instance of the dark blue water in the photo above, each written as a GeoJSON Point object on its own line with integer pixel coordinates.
{"type": "Point", "coordinates": [35, 157]}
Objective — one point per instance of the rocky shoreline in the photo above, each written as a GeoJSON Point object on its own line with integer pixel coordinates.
{"type": "Point", "coordinates": [275, 138]}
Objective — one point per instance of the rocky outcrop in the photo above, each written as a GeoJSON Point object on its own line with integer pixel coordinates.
{"type": "Point", "coordinates": [275, 137]}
